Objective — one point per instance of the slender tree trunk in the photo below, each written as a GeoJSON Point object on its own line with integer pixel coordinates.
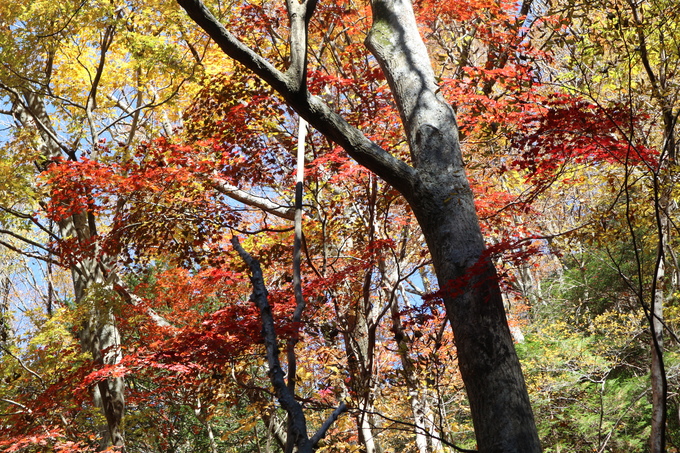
{"type": "Point", "coordinates": [359, 344]}
{"type": "Point", "coordinates": [658, 376]}
{"type": "Point", "coordinates": [198, 410]}
{"type": "Point", "coordinates": [422, 416]}
{"type": "Point", "coordinates": [658, 77]}
{"type": "Point", "coordinates": [658, 373]}
{"type": "Point", "coordinates": [6, 336]}
{"type": "Point", "coordinates": [366, 436]}
{"type": "Point", "coordinates": [99, 334]}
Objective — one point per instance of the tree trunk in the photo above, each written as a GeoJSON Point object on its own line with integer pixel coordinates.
{"type": "Point", "coordinates": [658, 378]}
{"type": "Point", "coordinates": [6, 334]}
{"type": "Point", "coordinates": [658, 373]}
{"type": "Point", "coordinates": [425, 429]}
{"type": "Point", "coordinates": [99, 332]}
{"type": "Point", "coordinates": [443, 203]}
{"type": "Point", "coordinates": [360, 348]}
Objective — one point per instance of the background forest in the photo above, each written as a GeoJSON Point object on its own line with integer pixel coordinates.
{"type": "Point", "coordinates": [145, 175]}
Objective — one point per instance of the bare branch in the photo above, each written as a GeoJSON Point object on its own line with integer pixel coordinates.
{"type": "Point", "coordinates": [91, 104]}
{"type": "Point", "coordinates": [46, 259]}
{"type": "Point", "coordinates": [249, 199]}
{"type": "Point", "coordinates": [23, 365]}
{"type": "Point", "coordinates": [233, 47]}
{"type": "Point", "coordinates": [24, 239]}
{"type": "Point", "coordinates": [327, 424]}
{"type": "Point", "coordinates": [32, 108]}
{"type": "Point", "coordinates": [412, 426]}
{"type": "Point", "coordinates": [128, 296]}
{"type": "Point", "coordinates": [24, 408]}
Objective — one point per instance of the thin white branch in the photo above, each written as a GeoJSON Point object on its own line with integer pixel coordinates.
{"type": "Point", "coordinates": [249, 199]}
{"type": "Point", "coordinates": [14, 403]}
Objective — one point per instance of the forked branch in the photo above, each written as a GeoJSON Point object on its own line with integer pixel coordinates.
{"type": "Point", "coordinates": [394, 171]}
{"type": "Point", "coordinates": [298, 423]}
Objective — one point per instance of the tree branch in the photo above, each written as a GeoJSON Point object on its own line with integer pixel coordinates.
{"type": "Point", "coordinates": [298, 424]}
{"type": "Point", "coordinates": [234, 48]}
{"type": "Point", "coordinates": [46, 259]}
{"type": "Point", "coordinates": [31, 108]}
{"type": "Point", "coordinates": [24, 408]}
{"type": "Point", "coordinates": [249, 199]}
{"type": "Point", "coordinates": [128, 296]}
{"type": "Point", "coordinates": [317, 113]}
{"type": "Point", "coordinates": [91, 103]}
{"type": "Point", "coordinates": [24, 239]}
{"type": "Point", "coordinates": [23, 365]}
{"type": "Point", "coordinates": [299, 15]}
{"type": "Point", "coordinates": [327, 424]}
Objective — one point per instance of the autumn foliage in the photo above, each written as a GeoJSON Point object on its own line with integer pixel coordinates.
{"type": "Point", "coordinates": [177, 160]}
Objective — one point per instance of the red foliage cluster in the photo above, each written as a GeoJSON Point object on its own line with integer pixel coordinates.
{"type": "Point", "coordinates": [81, 186]}
{"type": "Point", "coordinates": [569, 130]}
{"type": "Point", "coordinates": [157, 202]}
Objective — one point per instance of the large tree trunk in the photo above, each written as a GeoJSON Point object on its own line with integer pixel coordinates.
{"type": "Point", "coordinates": [99, 335]}
{"type": "Point", "coordinates": [443, 203]}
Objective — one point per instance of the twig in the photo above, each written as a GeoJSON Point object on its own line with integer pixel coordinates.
{"type": "Point", "coordinates": [36, 375]}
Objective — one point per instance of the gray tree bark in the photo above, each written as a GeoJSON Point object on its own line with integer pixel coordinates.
{"type": "Point", "coordinates": [99, 334]}
{"type": "Point", "coordinates": [442, 201]}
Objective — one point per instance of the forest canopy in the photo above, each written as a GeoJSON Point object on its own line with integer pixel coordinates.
{"type": "Point", "coordinates": [393, 225]}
